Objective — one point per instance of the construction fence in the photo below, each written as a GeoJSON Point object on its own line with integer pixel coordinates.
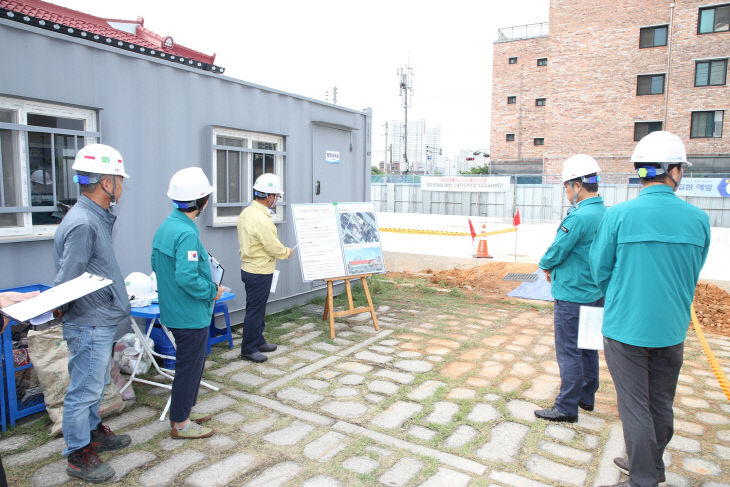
{"type": "Point", "coordinates": [537, 202]}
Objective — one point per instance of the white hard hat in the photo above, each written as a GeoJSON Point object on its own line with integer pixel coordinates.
{"type": "Point", "coordinates": [578, 166]}
{"type": "Point", "coordinates": [153, 280]}
{"type": "Point", "coordinates": [100, 159]}
{"type": "Point", "coordinates": [138, 284]}
{"type": "Point", "coordinates": [660, 147]}
{"type": "Point", "coordinates": [189, 184]}
{"type": "Point", "coordinates": [268, 183]}
{"type": "Point", "coordinates": [39, 176]}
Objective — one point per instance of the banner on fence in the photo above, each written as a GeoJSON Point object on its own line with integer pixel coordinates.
{"type": "Point", "coordinates": [707, 187]}
{"type": "Point", "coordinates": [485, 185]}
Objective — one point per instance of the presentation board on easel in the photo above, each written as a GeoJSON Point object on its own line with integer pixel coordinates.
{"type": "Point", "coordinates": [337, 240]}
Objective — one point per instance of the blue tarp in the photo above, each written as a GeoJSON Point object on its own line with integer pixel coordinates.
{"type": "Point", "coordinates": [539, 289]}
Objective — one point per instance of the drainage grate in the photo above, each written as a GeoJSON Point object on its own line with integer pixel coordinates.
{"type": "Point", "coordinates": [516, 276]}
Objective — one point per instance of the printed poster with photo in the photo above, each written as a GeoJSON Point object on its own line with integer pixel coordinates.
{"type": "Point", "coordinates": [337, 240]}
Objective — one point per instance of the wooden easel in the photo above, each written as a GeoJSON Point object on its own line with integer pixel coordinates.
{"type": "Point", "coordinates": [329, 308]}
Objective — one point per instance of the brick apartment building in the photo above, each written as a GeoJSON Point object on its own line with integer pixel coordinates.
{"type": "Point", "coordinates": [601, 75]}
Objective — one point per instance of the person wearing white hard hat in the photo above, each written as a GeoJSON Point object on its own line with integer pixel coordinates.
{"type": "Point", "coordinates": [83, 243]}
{"type": "Point", "coordinates": [259, 249]}
{"type": "Point", "coordinates": [187, 295]}
{"type": "Point", "coordinates": [646, 259]}
{"type": "Point", "coordinates": [565, 264]}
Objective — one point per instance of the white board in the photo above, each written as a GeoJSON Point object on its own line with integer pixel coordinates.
{"type": "Point", "coordinates": [590, 322]}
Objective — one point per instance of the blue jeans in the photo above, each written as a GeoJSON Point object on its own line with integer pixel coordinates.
{"type": "Point", "coordinates": [89, 361]}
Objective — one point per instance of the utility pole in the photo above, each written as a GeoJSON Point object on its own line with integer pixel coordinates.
{"type": "Point", "coordinates": [406, 80]}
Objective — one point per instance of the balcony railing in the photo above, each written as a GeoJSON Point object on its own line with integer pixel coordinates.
{"type": "Point", "coordinates": [522, 32]}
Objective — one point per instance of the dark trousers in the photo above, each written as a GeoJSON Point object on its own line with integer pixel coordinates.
{"type": "Point", "coordinates": [257, 294]}
{"type": "Point", "coordinates": [645, 381]}
{"type": "Point", "coordinates": [189, 362]}
{"type": "Point", "coordinates": [578, 367]}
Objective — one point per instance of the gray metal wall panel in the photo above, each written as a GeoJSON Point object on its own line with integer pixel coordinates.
{"type": "Point", "coordinates": [159, 117]}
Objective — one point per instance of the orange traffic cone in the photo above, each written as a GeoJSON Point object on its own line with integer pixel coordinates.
{"type": "Point", "coordinates": [482, 251]}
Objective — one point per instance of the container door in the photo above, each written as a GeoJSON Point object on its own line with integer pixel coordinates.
{"type": "Point", "coordinates": [332, 161]}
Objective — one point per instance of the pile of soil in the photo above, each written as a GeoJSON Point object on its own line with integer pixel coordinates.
{"type": "Point", "coordinates": [712, 304]}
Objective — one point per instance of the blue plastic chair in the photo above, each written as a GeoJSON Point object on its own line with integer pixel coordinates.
{"type": "Point", "coordinates": [218, 335]}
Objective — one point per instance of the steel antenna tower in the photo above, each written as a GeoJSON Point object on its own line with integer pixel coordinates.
{"type": "Point", "coordinates": [405, 74]}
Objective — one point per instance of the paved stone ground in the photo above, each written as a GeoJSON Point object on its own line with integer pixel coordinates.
{"type": "Point", "coordinates": [443, 395]}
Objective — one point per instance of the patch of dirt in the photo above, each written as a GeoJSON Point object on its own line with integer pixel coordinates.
{"type": "Point", "coordinates": [712, 304]}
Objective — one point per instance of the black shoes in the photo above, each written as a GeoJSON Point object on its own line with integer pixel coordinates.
{"type": "Point", "coordinates": [257, 357]}
{"type": "Point", "coordinates": [584, 406]}
{"type": "Point", "coordinates": [103, 439]}
{"type": "Point", "coordinates": [85, 464]}
{"type": "Point", "coordinates": [553, 414]}
{"type": "Point", "coordinates": [623, 464]}
{"type": "Point", "coordinates": [267, 347]}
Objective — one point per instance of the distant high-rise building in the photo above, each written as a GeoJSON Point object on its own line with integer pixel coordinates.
{"type": "Point", "coordinates": [424, 146]}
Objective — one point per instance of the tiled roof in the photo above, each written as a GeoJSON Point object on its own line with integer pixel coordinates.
{"type": "Point", "coordinates": [143, 39]}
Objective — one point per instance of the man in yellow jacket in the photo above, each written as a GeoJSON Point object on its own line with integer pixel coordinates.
{"type": "Point", "coordinates": [259, 249]}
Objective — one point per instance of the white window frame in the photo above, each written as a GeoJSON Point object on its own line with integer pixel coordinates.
{"type": "Point", "coordinates": [279, 157]}
{"type": "Point", "coordinates": [22, 108]}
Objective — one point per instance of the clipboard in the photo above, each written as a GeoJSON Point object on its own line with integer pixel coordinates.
{"type": "Point", "coordinates": [216, 271]}
{"type": "Point", "coordinates": [56, 296]}
{"type": "Point", "coordinates": [590, 321]}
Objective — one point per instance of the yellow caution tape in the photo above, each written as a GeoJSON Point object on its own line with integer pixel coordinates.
{"type": "Point", "coordinates": [714, 365]}
{"type": "Point", "coordinates": [451, 234]}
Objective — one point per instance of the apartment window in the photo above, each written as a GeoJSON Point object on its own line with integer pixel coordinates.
{"type": "Point", "coordinates": [539, 102]}
{"type": "Point", "coordinates": [642, 129]}
{"type": "Point", "coordinates": [38, 144]}
{"type": "Point", "coordinates": [714, 19]}
{"type": "Point", "coordinates": [538, 141]}
{"type": "Point", "coordinates": [512, 60]}
{"type": "Point", "coordinates": [706, 124]}
{"type": "Point", "coordinates": [711, 73]}
{"type": "Point", "coordinates": [542, 61]}
{"type": "Point", "coordinates": [650, 84]}
{"type": "Point", "coordinates": [510, 137]}
{"type": "Point", "coordinates": [239, 158]}
{"type": "Point", "coordinates": [653, 36]}
{"type": "Point", "coordinates": [511, 100]}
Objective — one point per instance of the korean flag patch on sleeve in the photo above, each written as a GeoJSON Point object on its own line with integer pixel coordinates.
{"type": "Point", "coordinates": [192, 255]}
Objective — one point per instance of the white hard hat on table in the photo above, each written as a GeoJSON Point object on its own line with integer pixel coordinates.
{"type": "Point", "coordinates": [189, 184]}
{"type": "Point", "coordinates": [138, 284]}
{"type": "Point", "coordinates": [268, 183]}
{"type": "Point", "coordinates": [578, 166]}
{"type": "Point", "coordinates": [100, 159]}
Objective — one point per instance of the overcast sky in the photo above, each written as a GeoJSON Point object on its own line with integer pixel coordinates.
{"type": "Point", "coordinates": [307, 47]}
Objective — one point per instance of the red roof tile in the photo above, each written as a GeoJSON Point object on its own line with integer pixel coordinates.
{"type": "Point", "coordinates": [98, 25]}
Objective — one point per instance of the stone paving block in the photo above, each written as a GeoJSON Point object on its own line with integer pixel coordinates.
{"type": "Point", "coordinates": [326, 447]}
{"type": "Point", "coordinates": [590, 422]}
{"type": "Point", "coordinates": [514, 480]}
{"type": "Point", "coordinates": [447, 478]}
{"type": "Point", "coordinates": [373, 357]}
{"type": "Point", "coordinates": [396, 414]}
{"type": "Point", "coordinates": [590, 441]}
{"type": "Point", "coordinates": [231, 354]}
{"type": "Point", "coordinates": [306, 337]}
{"type": "Point", "coordinates": [401, 473]}
{"type": "Point", "coordinates": [290, 435]}
{"type": "Point", "coordinates": [559, 432]}
{"type": "Point", "coordinates": [461, 436]}
{"type": "Point", "coordinates": [722, 452]}
{"type": "Point", "coordinates": [342, 341]}
{"type": "Point", "coordinates": [50, 475]}
{"type": "Point", "coordinates": [442, 412]}
{"type": "Point", "coordinates": [409, 354]}
{"type": "Point", "coordinates": [344, 392]}
{"type": "Point", "coordinates": [361, 464]}
{"type": "Point", "coordinates": [221, 473]}
{"type": "Point", "coordinates": [307, 355]}
{"type": "Point", "coordinates": [248, 379]}
{"type": "Point", "coordinates": [326, 347]}
{"type": "Point", "coordinates": [164, 474]}
{"type": "Point", "coordinates": [701, 466]}
{"type": "Point", "coordinates": [715, 484]}
{"type": "Point", "coordinates": [354, 367]}
{"type": "Point", "coordinates": [214, 404]}
{"type": "Point", "coordinates": [276, 475]}
{"type": "Point", "coordinates": [418, 366]}
{"type": "Point", "coordinates": [315, 384]}
{"type": "Point", "coordinates": [383, 387]}
{"type": "Point", "coordinates": [688, 427]}
{"type": "Point", "coordinates": [322, 481]}
{"type": "Point", "coordinates": [351, 379]}
{"type": "Point", "coordinates": [712, 418]}
{"type": "Point", "coordinates": [129, 417]}
{"type": "Point", "coordinates": [400, 377]}
{"type": "Point", "coordinates": [455, 370]}
{"type": "Point", "coordinates": [420, 432]}
{"type": "Point", "coordinates": [566, 452]}
{"type": "Point", "coordinates": [382, 349]}
{"type": "Point", "coordinates": [425, 390]}
{"type": "Point", "coordinates": [219, 442]}
{"type": "Point", "coordinates": [563, 474]}
{"type": "Point", "coordinates": [268, 370]}
{"type": "Point", "coordinates": [124, 464]}
{"type": "Point", "coordinates": [683, 444]}
{"type": "Point", "coordinates": [374, 398]}
{"type": "Point", "coordinates": [390, 342]}
{"type": "Point", "coordinates": [522, 410]}
{"type": "Point", "coordinates": [299, 396]}
{"type": "Point", "coordinates": [544, 387]}
{"type": "Point", "coordinates": [491, 369]}
{"type": "Point", "coordinates": [14, 442]}
{"type": "Point", "coordinates": [461, 393]}
{"type": "Point", "coordinates": [724, 435]}
{"type": "Point", "coordinates": [147, 432]}
{"type": "Point", "coordinates": [506, 440]}
{"type": "Point", "coordinates": [260, 425]}
{"type": "Point", "coordinates": [169, 443]}
{"type": "Point", "coordinates": [231, 367]}
{"type": "Point", "coordinates": [607, 473]}
{"type": "Point", "coordinates": [483, 413]}
{"type": "Point", "coordinates": [509, 384]}
{"type": "Point", "coordinates": [230, 417]}
{"type": "Point", "coordinates": [345, 409]}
